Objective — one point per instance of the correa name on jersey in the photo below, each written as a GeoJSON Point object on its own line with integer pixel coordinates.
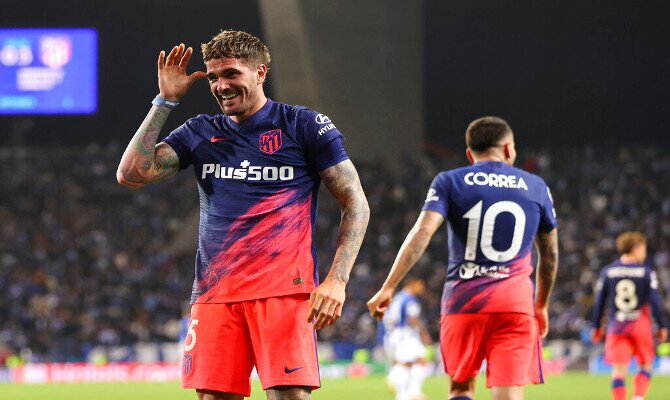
{"type": "Point", "coordinates": [495, 180]}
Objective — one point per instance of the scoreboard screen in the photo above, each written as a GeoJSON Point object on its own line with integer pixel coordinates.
{"type": "Point", "coordinates": [48, 71]}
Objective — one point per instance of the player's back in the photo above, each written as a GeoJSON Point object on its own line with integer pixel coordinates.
{"type": "Point", "coordinates": [626, 289]}
{"type": "Point", "coordinates": [493, 212]}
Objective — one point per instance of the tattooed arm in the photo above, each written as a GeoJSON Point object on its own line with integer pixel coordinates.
{"type": "Point", "coordinates": [143, 161]}
{"type": "Point", "coordinates": [411, 250]}
{"type": "Point", "coordinates": [547, 247]}
{"type": "Point", "coordinates": [326, 301]}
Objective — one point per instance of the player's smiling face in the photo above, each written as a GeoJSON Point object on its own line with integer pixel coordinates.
{"type": "Point", "coordinates": [237, 86]}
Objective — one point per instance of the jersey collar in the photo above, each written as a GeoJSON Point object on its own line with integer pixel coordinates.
{"type": "Point", "coordinates": [252, 121]}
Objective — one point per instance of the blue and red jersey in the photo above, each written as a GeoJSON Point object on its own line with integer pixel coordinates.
{"type": "Point", "coordinates": [258, 183]}
{"type": "Point", "coordinates": [493, 212]}
{"type": "Point", "coordinates": [630, 292]}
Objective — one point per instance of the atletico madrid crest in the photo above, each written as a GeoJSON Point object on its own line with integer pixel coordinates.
{"type": "Point", "coordinates": [270, 141]}
{"type": "Point", "coordinates": [187, 365]}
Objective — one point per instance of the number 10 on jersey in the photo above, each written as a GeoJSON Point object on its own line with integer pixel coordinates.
{"type": "Point", "coordinates": [485, 240]}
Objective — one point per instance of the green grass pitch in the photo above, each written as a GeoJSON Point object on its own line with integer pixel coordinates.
{"type": "Point", "coordinates": [569, 386]}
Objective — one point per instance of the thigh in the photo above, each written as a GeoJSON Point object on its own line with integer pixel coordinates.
{"type": "Point", "coordinates": [217, 351]}
{"type": "Point", "coordinates": [462, 342]}
{"type": "Point", "coordinates": [643, 346]}
{"type": "Point", "coordinates": [618, 349]}
{"type": "Point", "coordinates": [513, 351]}
{"type": "Point", "coordinates": [284, 343]}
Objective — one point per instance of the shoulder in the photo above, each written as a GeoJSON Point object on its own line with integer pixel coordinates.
{"type": "Point", "coordinates": [204, 120]}
{"type": "Point", "coordinates": [302, 114]}
{"type": "Point", "coordinates": [452, 174]}
{"type": "Point", "coordinates": [529, 177]}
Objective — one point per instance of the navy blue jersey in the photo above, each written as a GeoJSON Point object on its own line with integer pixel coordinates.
{"type": "Point", "coordinates": [493, 212]}
{"type": "Point", "coordinates": [258, 184]}
{"type": "Point", "coordinates": [630, 292]}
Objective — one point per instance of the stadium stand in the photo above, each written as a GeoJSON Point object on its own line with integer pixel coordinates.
{"type": "Point", "coordinates": [85, 262]}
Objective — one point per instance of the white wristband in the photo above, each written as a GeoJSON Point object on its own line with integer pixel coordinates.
{"type": "Point", "coordinates": [160, 101]}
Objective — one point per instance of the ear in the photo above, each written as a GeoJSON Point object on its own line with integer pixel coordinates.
{"type": "Point", "coordinates": [262, 72]}
{"type": "Point", "coordinates": [507, 150]}
{"type": "Point", "coordinates": [468, 154]}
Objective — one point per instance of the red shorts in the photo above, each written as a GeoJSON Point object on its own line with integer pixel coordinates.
{"type": "Point", "coordinates": [508, 341]}
{"type": "Point", "coordinates": [225, 341]}
{"type": "Point", "coordinates": [620, 348]}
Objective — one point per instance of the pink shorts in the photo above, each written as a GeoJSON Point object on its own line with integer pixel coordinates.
{"type": "Point", "coordinates": [225, 341]}
{"type": "Point", "coordinates": [508, 341]}
{"type": "Point", "coordinates": [620, 348]}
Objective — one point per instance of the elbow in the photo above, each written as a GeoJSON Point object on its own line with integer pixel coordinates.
{"type": "Point", "coordinates": [365, 209]}
{"type": "Point", "coordinates": [123, 180]}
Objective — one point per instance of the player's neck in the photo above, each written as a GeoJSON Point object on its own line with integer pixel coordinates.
{"type": "Point", "coordinates": [488, 157]}
{"type": "Point", "coordinates": [258, 104]}
{"type": "Point", "coordinates": [630, 259]}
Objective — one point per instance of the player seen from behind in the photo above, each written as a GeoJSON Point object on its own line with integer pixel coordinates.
{"type": "Point", "coordinates": [493, 212]}
{"type": "Point", "coordinates": [629, 289]}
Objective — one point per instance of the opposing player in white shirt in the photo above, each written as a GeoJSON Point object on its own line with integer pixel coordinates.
{"type": "Point", "coordinates": [404, 342]}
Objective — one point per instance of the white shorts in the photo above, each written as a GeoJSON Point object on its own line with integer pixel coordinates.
{"type": "Point", "coordinates": [404, 345]}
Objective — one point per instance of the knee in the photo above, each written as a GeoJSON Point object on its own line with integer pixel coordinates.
{"type": "Point", "coordinates": [289, 393]}
{"type": "Point", "coordinates": [214, 395]}
{"type": "Point", "coordinates": [460, 389]}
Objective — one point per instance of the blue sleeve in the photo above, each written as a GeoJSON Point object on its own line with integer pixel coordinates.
{"type": "Point", "coordinates": [547, 212]}
{"type": "Point", "coordinates": [655, 301]}
{"type": "Point", "coordinates": [180, 141]}
{"type": "Point", "coordinates": [437, 198]}
{"type": "Point", "coordinates": [601, 297]}
{"type": "Point", "coordinates": [321, 139]}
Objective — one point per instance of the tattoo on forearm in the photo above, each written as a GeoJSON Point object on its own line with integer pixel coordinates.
{"type": "Point", "coordinates": [411, 250]}
{"type": "Point", "coordinates": [147, 135]}
{"type": "Point", "coordinates": [166, 163]}
{"type": "Point", "coordinates": [342, 181]}
{"type": "Point", "coordinates": [547, 243]}
{"type": "Point", "coordinates": [144, 161]}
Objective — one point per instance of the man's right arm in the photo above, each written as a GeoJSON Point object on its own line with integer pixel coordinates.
{"type": "Point", "coordinates": [411, 250]}
{"type": "Point", "coordinates": [547, 246]}
{"type": "Point", "coordinates": [144, 161]}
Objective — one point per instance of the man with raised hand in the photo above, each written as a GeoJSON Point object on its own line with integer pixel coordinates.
{"type": "Point", "coordinates": [256, 298]}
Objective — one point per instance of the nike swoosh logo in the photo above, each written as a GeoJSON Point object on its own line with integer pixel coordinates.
{"type": "Point", "coordinates": [215, 139]}
{"type": "Point", "coordinates": [288, 371]}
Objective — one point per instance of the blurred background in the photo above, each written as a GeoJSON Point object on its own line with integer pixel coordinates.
{"type": "Point", "coordinates": [91, 271]}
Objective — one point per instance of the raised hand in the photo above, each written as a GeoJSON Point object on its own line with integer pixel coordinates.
{"type": "Point", "coordinates": [172, 79]}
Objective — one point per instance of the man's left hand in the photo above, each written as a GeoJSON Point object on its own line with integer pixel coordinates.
{"type": "Point", "coordinates": [325, 303]}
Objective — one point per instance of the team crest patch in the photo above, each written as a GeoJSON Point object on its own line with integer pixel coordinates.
{"type": "Point", "coordinates": [270, 141]}
{"type": "Point", "coordinates": [187, 365]}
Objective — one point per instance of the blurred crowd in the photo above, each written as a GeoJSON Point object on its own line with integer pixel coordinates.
{"type": "Point", "coordinates": [86, 262]}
